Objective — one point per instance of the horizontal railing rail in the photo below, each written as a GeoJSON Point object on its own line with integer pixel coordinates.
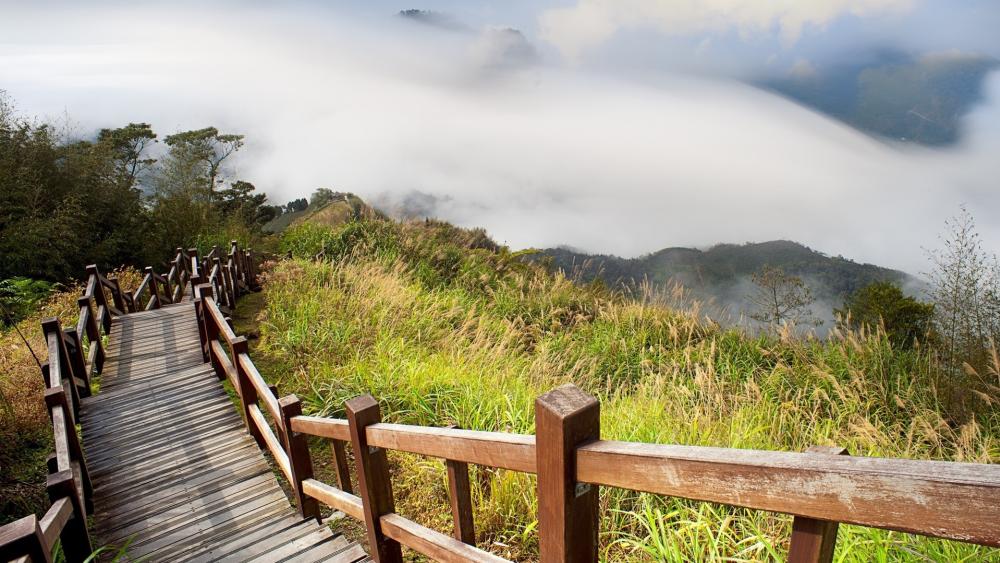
{"type": "Point", "coordinates": [820, 488]}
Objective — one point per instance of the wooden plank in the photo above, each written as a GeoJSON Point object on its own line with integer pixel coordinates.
{"type": "Point", "coordinates": [24, 537]}
{"type": "Point", "coordinates": [191, 390]}
{"type": "Point", "coordinates": [53, 522]}
{"type": "Point", "coordinates": [184, 514]}
{"type": "Point", "coordinates": [167, 461]}
{"type": "Point", "coordinates": [335, 498]}
{"type": "Point", "coordinates": [273, 445]}
{"type": "Point", "coordinates": [200, 391]}
{"type": "Point", "coordinates": [180, 467]}
{"type": "Point", "coordinates": [200, 427]}
{"type": "Point", "coordinates": [206, 480]}
{"type": "Point", "coordinates": [936, 498]}
{"type": "Point", "coordinates": [431, 543]}
{"type": "Point", "coordinates": [188, 535]}
{"type": "Point", "coordinates": [249, 535]}
{"type": "Point", "coordinates": [343, 470]}
{"type": "Point", "coordinates": [295, 548]}
{"type": "Point", "coordinates": [224, 531]}
{"type": "Point", "coordinates": [494, 449]}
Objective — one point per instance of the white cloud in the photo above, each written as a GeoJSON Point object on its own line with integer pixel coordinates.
{"type": "Point", "coordinates": [590, 23]}
{"type": "Point", "coordinates": [538, 156]}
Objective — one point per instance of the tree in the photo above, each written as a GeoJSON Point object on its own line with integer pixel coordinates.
{"type": "Point", "coordinates": [207, 147]}
{"type": "Point", "coordinates": [965, 290]}
{"type": "Point", "coordinates": [905, 319]}
{"type": "Point", "coordinates": [780, 298]}
{"type": "Point", "coordinates": [127, 146]}
{"type": "Point", "coordinates": [322, 196]}
{"type": "Point", "coordinates": [239, 200]}
{"type": "Point", "coordinates": [296, 205]}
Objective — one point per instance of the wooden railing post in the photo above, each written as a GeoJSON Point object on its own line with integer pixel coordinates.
{"type": "Point", "coordinates": [74, 538]}
{"type": "Point", "coordinates": [251, 270]}
{"type": "Point", "coordinates": [373, 478]}
{"type": "Point", "coordinates": [52, 328]}
{"type": "Point", "coordinates": [565, 418]}
{"type": "Point", "coordinates": [154, 293]}
{"type": "Point", "coordinates": [223, 283]}
{"type": "Point", "coordinates": [24, 537]}
{"type": "Point", "coordinates": [814, 541]}
{"type": "Point", "coordinates": [93, 334]}
{"type": "Point", "coordinates": [234, 253]}
{"type": "Point", "coordinates": [74, 348]}
{"type": "Point", "coordinates": [340, 463]}
{"type": "Point", "coordinates": [461, 501]}
{"type": "Point", "coordinates": [460, 497]}
{"type": "Point", "coordinates": [55, 397]}
{"type": "Point", "coordinates": [247, 392]}
{"type": "Point", "coordinates": [99, 297]}
{"type": "Point", "coordinates": [297, 448]}
{"type": "Point", "coordinates": [202, 291]}
{"type": "Point", "coordinates": [117, 296]}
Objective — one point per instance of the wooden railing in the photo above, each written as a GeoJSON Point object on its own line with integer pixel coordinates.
{"type": "Point", "coordinates": [67, 376]}
{"type": "Point", "coordinates": [820, 488]}
{"type": "Point", "coordinates": [74, 356]}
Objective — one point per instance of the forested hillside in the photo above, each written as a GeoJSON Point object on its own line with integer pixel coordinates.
{"type": "Point", "coordinates": [723, 273]}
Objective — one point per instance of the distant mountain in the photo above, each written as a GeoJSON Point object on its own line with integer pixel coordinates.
{"type": "Point", "coordinates": [722, 273]}
{"type": "Point", "coordinates": [892, 94]}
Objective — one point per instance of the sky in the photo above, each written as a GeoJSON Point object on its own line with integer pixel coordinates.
{"type": "Point", "coordinates": [609, 126]}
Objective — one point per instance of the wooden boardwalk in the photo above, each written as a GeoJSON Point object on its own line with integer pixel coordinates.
{"type": "Point", "coordinates": [174, 471]}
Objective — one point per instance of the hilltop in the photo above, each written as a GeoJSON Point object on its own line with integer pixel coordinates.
{"type": "Point", "coordinates": [332, 209]}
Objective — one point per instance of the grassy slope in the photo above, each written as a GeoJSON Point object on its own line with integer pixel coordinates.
{"type": "Point", "coordinates": [444, 328]}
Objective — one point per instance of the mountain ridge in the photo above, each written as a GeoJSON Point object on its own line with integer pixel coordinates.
{"type": "Point", "coordinates": [722, 273]}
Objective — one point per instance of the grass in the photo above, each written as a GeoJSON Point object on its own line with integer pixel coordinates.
{"type": "Point", "coordinates": [444, 327]}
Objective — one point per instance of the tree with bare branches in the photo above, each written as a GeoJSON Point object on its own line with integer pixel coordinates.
{"type": "Point", "coordinates": [780, 298]}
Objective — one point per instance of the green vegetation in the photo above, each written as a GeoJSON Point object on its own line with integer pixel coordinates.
{"type": "Point", "coordinates": [19, 297]}
{"type": "Point", "coordinates": [113, 199]}
{"type": "Point", "coordinates": [905, 320]}
{"type": "Point", "coordinates": [445, 327]}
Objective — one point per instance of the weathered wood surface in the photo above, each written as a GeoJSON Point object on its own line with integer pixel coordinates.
{"type": "Point", "coordinates": [173, 468]}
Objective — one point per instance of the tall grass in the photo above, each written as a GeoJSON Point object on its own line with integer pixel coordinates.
{"type": "Point", "coordinates": [444, 328]}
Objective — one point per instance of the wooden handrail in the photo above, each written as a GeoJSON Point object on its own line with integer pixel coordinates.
{"type": "Point", "coordinates": [908, 495]}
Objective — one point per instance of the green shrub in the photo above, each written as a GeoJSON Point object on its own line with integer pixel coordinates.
{"type": "Point", "coordinates": [21, 296]}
